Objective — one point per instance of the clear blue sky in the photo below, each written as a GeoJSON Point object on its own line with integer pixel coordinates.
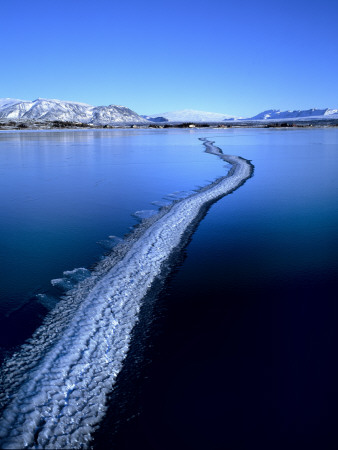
{"type": "Point", "coordinates": [238, 57]}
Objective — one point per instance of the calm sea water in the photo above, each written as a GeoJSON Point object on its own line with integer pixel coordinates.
{"type": "Point", "coordinates": [240, 352]}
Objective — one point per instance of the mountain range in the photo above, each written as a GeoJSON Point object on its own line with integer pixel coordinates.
{"type": "Point", "coordinates": [189, 115]}
{"type": "Point", "coordinates": [49, 110]}
{"type": "Point", "coordinates": [276, 114]}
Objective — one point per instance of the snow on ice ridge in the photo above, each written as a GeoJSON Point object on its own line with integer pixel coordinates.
{"type": "Point", "coordinates": [71, 278]}
{"type": "Point", "coordinates": [55, 388]}
{"type": "Point", "coordinates": [145, 213]}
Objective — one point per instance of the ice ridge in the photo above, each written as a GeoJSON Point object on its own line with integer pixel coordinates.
{"type": "Point", "coordinates": [54, 389]}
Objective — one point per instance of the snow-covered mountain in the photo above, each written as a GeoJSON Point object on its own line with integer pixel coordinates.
{"type": "Point", "coordinates": [190, 115]}
{"type": "Point", "coordinates": [8, 102]}
{"type": "Point", "coordinates": [47, 110]}
{"type": "Point", "coordinates": [276, 114]}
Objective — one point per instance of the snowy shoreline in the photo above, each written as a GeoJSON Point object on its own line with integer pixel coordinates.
{"type": "Point", "coordinates": [55, 387]}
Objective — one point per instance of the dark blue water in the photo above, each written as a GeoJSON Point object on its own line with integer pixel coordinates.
{"type": "Point", "coordinates": [240, 351]}
{"type": "Point", "coordinates": [243, 352]}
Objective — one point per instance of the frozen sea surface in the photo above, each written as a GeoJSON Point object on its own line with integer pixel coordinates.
{"type": "Point", "coordinates": [54, 389]}
{"type": "Point", "coordinates": [240, 350]}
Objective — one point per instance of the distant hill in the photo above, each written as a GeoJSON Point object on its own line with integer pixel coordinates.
{"type": "Point", "coordinates": [47, 110]}
{"type": "Point", "coordinates": [189, 115]}
{"type": "Point", "coordinates": [155, 119]}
